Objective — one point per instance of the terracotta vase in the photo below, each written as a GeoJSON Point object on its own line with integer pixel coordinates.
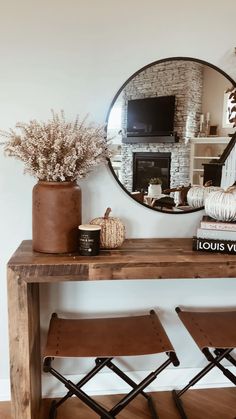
{"type": "Point", "coordinates": [56, 216]}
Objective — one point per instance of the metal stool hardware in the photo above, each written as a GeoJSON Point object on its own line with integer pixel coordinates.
{"type": "Point", "coordinates": [215, 334]}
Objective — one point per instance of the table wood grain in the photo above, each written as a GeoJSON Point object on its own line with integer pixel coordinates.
{"type": "Point", "coordinates": [136, 259]}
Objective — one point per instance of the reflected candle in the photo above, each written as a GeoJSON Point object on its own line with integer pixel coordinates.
{"type": "Point", "coordinates": [89, 239]}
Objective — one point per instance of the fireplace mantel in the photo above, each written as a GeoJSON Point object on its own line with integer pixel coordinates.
{"type": "Point", "coordinates": [152, 139]}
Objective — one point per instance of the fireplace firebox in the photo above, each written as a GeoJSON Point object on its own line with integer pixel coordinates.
{"type": "Point", "coordinates": [150, 165]}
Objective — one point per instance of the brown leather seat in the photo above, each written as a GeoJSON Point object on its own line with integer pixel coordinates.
{"type": "Point", "coordinates": [105, 338]}
{"type": "Point", "coordinates": [211, 329]}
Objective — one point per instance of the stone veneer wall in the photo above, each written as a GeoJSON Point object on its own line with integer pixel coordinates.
{"type": "Point", "coordinates": [179, 167]}
{"type": "Point", "coordinates": [184, 79]}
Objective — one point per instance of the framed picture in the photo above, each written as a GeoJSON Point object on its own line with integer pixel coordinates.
{"type": "Point", "coordinates": [227, 105]}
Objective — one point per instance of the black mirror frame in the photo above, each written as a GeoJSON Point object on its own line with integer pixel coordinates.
{"type": "Point", "coordinates": [118, 93]}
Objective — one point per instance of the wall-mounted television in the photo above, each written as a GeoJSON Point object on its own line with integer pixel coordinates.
{"type": "Point", "coordinates": [153, 116]}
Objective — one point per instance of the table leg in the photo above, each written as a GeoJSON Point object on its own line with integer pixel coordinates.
{"type": "Point", "coordinates": [24, 336]}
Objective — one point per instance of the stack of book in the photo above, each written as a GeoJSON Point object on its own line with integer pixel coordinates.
{"type": "Point", "coordinates": [215, 236]}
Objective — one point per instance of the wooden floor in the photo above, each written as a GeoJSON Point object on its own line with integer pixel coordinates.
{"type": "Point", "coordinates": [199, 404]}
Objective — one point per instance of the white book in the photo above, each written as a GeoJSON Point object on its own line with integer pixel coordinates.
{"type": "Point", "coordinates": [216, 234]}
{"type": "Point", "coordinates": [211, 224]}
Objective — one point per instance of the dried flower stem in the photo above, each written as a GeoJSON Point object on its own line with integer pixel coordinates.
{"type": "Point", "coordinates": [57, 150]}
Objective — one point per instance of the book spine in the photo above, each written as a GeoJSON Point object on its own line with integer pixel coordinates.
{"type": "Point", "coordinates": [205, 233]}
{"type": "Point", "coordinates": [214, 246]}
{"type": "Point", "coordinates": [218, 226]}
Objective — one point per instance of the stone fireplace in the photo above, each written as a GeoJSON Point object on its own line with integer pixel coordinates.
{"type": "Point", "coordinates": [179, 163]}
{"type": "Point", "coordinates": [187, 89]}
{"type": "Point", "coordinates": [150, 165]}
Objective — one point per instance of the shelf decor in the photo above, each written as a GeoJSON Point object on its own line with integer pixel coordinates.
{"type": "Point", "coordinates": [57, 152]}
{"type": "Point", "coordinates": [221, 205]}
{"type": "Point", "coordinates": [155, 188]}
{"type": "Point", "coordinates": [202, 151]}
{"type": "Point", "coordinates": [56, 214]}
{"type": "Point", "coordinates": [196, 195]}
{"type": "Point", "coordinates": [112, 230]}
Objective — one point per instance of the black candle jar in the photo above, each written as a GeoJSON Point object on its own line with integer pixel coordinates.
{"type": "Point", "coordinates": [89, 239]}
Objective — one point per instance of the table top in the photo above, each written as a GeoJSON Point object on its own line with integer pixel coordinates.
{"type": "Point", "coordinates": [165, 258]}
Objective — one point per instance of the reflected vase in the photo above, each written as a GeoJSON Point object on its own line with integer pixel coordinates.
{"type": "Point", "coordinates": [56, 215]}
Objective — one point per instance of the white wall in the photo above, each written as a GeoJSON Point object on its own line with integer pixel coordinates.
{"type": "Point", "coordinates": [75, 54]}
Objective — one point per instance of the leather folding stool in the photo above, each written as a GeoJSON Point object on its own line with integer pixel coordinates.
{"type": "Point", "coordinates": [215, 334]}
{"type": "Point", "coordinates": [103, 339]}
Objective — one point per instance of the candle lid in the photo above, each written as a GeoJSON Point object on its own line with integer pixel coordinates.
{"type": "Point", "coordinates": [89, 227]}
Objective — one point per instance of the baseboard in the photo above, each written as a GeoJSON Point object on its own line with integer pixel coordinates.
{"type": "Point", "coordinates": [109, 383]}
{"type": "Point", "coordinates": [4, 390]}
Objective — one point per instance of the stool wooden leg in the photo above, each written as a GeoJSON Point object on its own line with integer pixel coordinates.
{"type": "Point", "coordinates": [179, 405]}
{"type": "Point", "coordinates": [152, 408]}
{"type": "Point", "coordinates": [133, 393]}
{"type": "Point", "coordinates": [219, 351]}
{"type": "Point", "coordinates": [53, 410]}
{"type": "Point", "coordinates": [129, 381]}
{"type": "Point", "coordinates": [214, 362]}
{"type": "Point", "coordinates": [76, 390]}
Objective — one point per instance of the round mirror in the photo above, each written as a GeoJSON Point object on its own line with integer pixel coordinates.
{"type": "Point", "coordinates": [169, 126]}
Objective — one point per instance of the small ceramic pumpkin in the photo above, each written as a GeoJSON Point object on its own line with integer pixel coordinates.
{"type": "Point", "coordinates": [112, 231]}
{"type": "Point", "coordinates": [196, 195]}
{"type": "Point", "coordinates": [221, 205]}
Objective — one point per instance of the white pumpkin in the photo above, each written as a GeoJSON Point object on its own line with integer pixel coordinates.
{"type": "Point", "coordinates": [221, 205]}
{"type": "Point", "coordinates": [197, 194]}
{"type": "Point", "coordinates": [112, 233]}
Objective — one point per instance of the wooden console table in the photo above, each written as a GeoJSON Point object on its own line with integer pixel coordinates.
{"type": "Point", "coordinates": [137, 259]}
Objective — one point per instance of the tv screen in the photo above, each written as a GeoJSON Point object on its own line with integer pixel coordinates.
{"type": "Point", "coordinates": [151, 116]}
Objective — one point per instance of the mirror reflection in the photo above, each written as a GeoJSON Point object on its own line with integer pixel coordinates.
{"type": "Point", "coordinates": [169, 128]}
